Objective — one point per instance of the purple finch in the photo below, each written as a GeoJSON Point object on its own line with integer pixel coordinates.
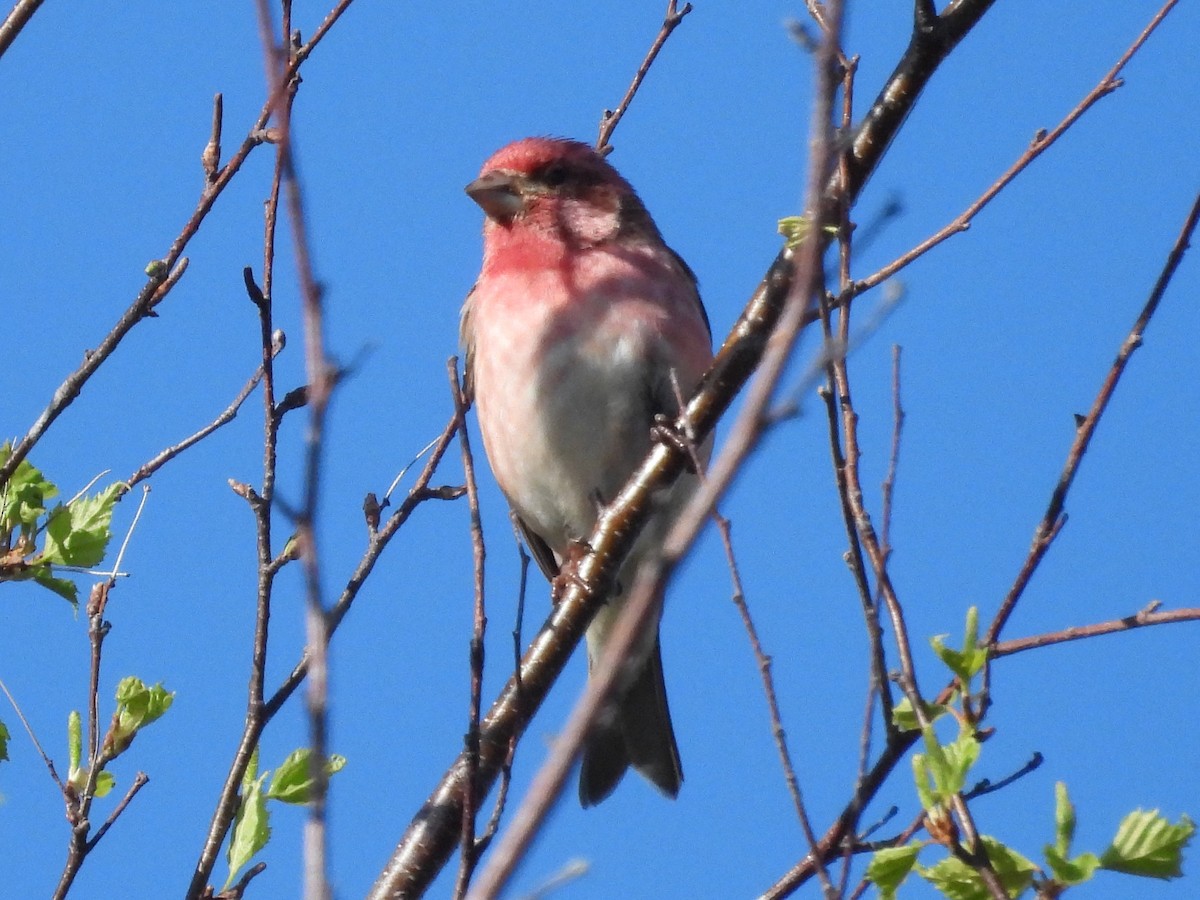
{"type": "Point", "coordinates": [583, 327]}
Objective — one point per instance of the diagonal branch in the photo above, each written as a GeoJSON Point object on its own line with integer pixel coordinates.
{"type": "Point", "coordinates": [612, 117]}
{"type": "Point", "coordinates": [1054, 516]}
{"type": "Point", "coordinates": [15, 21]}
{"type": "Point", "coordinates": [432, 835]}
{"type": "Point", "coordinates": [164, 273]}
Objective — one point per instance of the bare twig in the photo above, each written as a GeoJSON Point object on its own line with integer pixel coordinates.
{"type": "Point", "coordinates": [116, 569]}
{"type": "Point", "coordinates": [493, 824]}
{"type": "Point", "coordinates": [889, 481]}
{"type": "Point", "coordinates": [1052, 520]}
{"type": "Point", "coordinates": [764, 665]}
{"type": "Point", "coordinates": [260, 711]}
{"type": "Point", "coordinates": [856, 517]}
{"type": "Point", "coordinates": [1140, 619]}
{"type": "Point", "coordinates": [149, 468]}
{"type": "Point", "coordinates": [238, 890]}
{"type": "Point", "coordinates": [611, 117]}
{"type": "Point", "coordinates": [164, 273]}
{"type": "Point", "coordinates": [320, 380]}
{"type": "Point", "coordinates": [987, 786]}
{"type": "Point", "coordinates": [33, 737]}
{"type": "Point", "coordinates": [469, 848]}
{"type": "Point", "coordinates": [210, 159]}
{"type": "Point", "coordinates": [140, 780]}
{"type": "Point", "coordinates": [1041, 142]}
{"type": "Point", "coordinates": [261, 507]}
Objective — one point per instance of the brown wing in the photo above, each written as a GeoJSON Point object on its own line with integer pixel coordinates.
{"type": "Point", "coordinates": [466, 339]}
{"type": "Point", "coordinates": [691, 276]}
{"type": "Point", "coordinates": [538, 549]}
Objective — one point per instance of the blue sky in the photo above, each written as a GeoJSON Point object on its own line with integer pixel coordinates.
{"type": "Point", "coordinates": [1007, 331]}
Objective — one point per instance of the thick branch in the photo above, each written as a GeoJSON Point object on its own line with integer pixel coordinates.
{"type": "Point", "coordinates": [15, 21]}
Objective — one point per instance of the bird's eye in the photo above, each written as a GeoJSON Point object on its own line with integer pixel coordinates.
{"type": "Point", "coordinates": [554, 175]}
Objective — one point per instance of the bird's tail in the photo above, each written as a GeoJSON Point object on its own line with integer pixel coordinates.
{"type": "Point", "coordinates": [637, 732]}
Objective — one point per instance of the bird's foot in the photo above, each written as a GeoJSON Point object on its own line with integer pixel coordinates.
{"type": "Point", "coordinates": [663, 431]}
{"type": "Point", "coordinates": [576, 551]}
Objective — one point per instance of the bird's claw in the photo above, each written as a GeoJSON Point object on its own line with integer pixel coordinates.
{"type": "Point", "coordinates": [567, 576]}
{"type": "Point", "coordinates": [663, 431]}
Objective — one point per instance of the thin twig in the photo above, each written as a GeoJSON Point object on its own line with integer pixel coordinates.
{"type": "Point", "coordinates": [739, 601]}
{"type": "Point", "coordinates": [469, 853]}
{"type": "Point", "coordinates": [33, 737]}
{"type": "Point", "coordinates": [238, 890]}
{"type": "Point", "coordinates": [493, 824]}
{"type": "Point", "coordinates": [139, 781]}
{"type": "Point", "coordinates": [149, 468]}
{"type": "Point", "coordinates": [987, 786]}
{"type": "Point", "coordinates": [260, 712]}
{"type": "Point", "coordinates": [419, 493]}
{"type": "Point", "coordinates": [611, 117]}
{"type": "Point", "coordinates": [1040, 143]}
{"type": "Point", "coordinates": [164, 273]}
{"type": "Point", "coordinates": [764, 665]}
{"type": "Point", "coordinates": [320, 380]}
{"type": "Point", "coordinates": [1079, 632]}
{"type": "Point", "coordinates": [210, 159]}
{"type": "Point", "coordinates": [857, 517]}
{"type": "Point", "coordinates": [1051, 520]}
{"type": "Point", "coordinates": [889, 481]}
{"type": "Point", "coordinates": [116, 569]}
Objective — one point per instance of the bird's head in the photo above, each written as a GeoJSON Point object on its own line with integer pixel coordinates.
{"type": "Point", "coordinates": [557, 190]}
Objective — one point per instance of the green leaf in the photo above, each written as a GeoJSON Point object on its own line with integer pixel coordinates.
{"type": "Point", "coordinates": [959, 881]}
{"type": "Point", "coordinates": [889, 867]}
{"type": "Point", "coordinates": [78, 534]}
{"type": "Point", "coordinates": [4, 736]}
{"type": "Point", "coordinates": [74, 739]}
{"type": "Point", "coordinates": [1015, 871]}
{"type": "Point", "coordinates": [251, 826]}
{"type": "Point", "coordinates": [105, 782]}
{"type": "Point", "coordinates": [293, 782]}
{"type": "Point", "coordinates": [795, 228]}
{"type": "Point", "coordinates": [251, 773]}
{"type": "Point", "coordinates": [1071, 871]}
{"type": "Point", "coordinates": [1148, 845]}
{"type": "Point", "coordinates": [60, 586]}
{"type": "Point", "coordinates": [960, 757]}
{"type": "Point", "coordinates": [1064, 820]}
{"type": "Point", "coordinates": [905, 719]}
{"type": "Point", "coordinates": [969, 661]}
{"type": "Point", "coordinates": [137, 707]}
{"type": "Point", "coordinates": [947, 766]}
{"type": "Point", "coordinates": [23, 501]}
{"type": "Point", "coordinates": [921, 780]}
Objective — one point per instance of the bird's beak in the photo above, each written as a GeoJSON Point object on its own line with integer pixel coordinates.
{"type": "Point", "coordinates": [498, 193]}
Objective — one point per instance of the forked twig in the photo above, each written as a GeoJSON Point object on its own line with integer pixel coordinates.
{"type": "Point", "coordinates": [150, 467]}
{"type": "Point", "coordinates": [1040, 143]}
{"type": "Point", "coordinates": [611, 117]}
{"type": "Point", "coordinates": [469, 847]}
{"type": "Point", "coordinates": [1053, 518]}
